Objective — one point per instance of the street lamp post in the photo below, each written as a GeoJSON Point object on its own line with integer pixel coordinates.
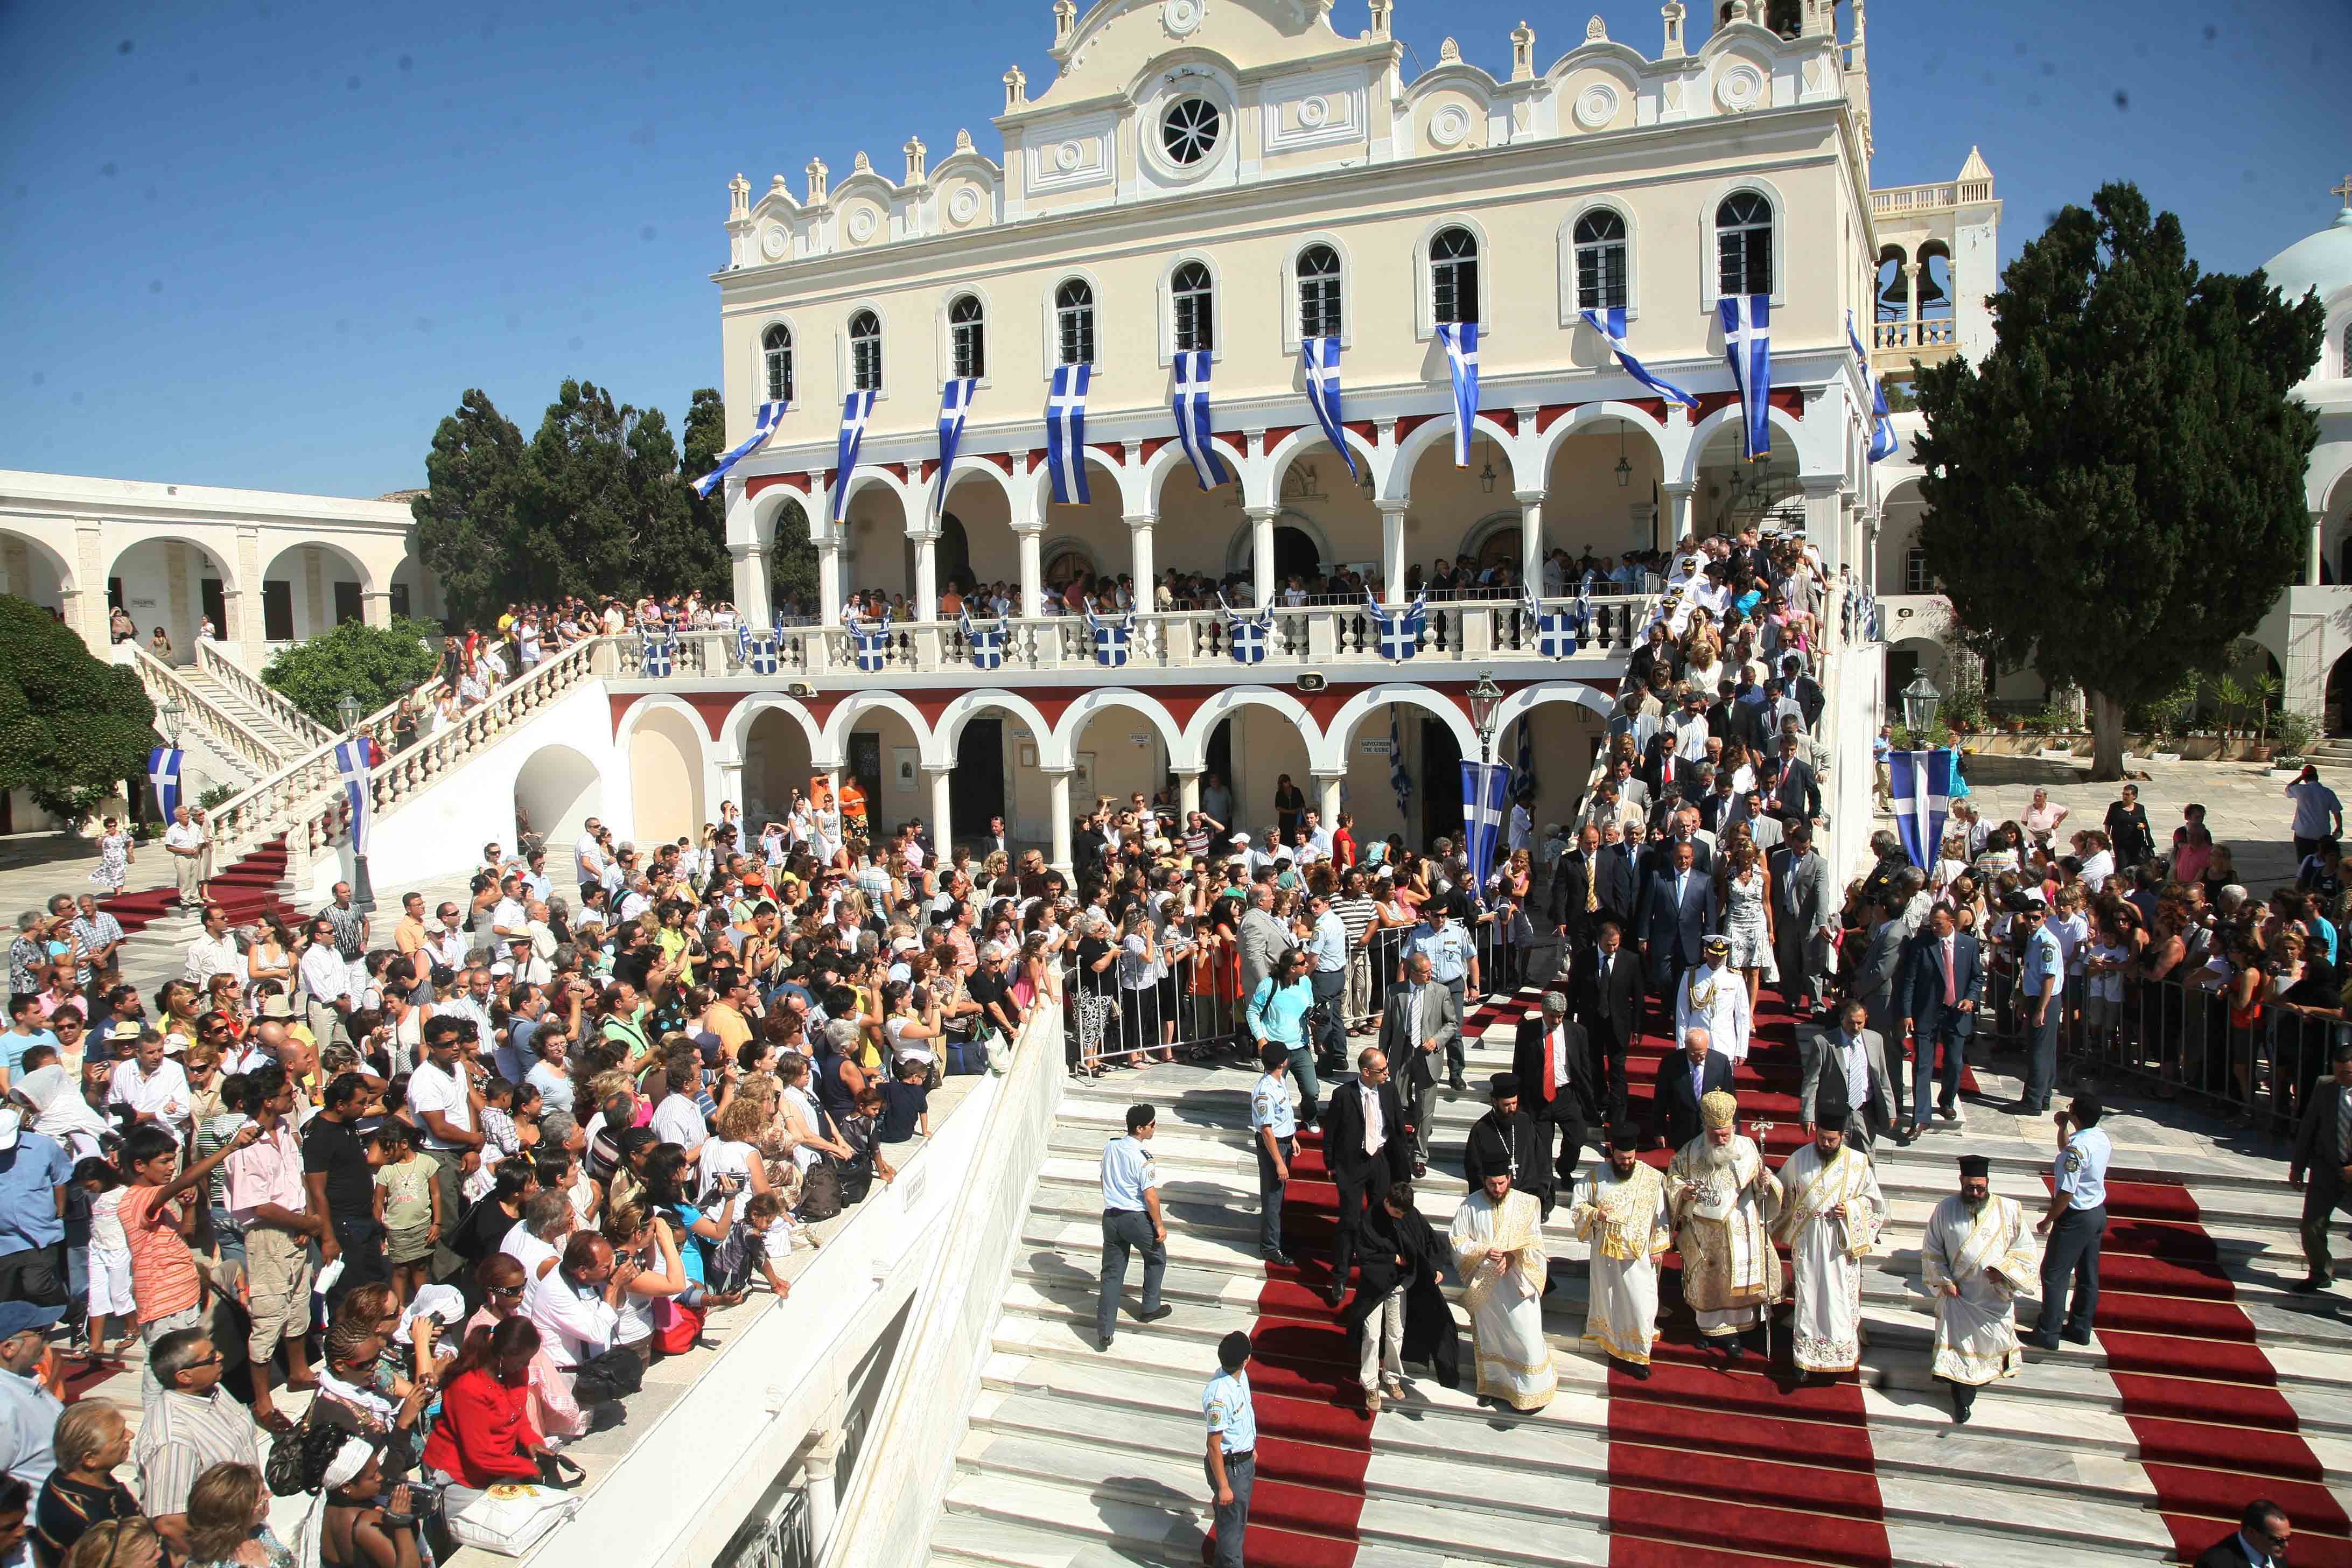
{"type": "Point", "coordinates": [1484, 697]}
{"type": "Point", "coordinates": [1920, 700]}
{"type": "Point", "coordinates": [363, 886]}
{"type": "Point", "coordinates": [168, 715]}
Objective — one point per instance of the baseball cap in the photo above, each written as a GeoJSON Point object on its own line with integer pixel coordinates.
{"type": "Point", "coordinates": [18, 1317]}
{"type": "Point", "coordinates": [11, 1122]}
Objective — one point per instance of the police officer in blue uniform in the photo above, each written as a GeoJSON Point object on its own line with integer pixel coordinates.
{"type": "Point", "coordinates": [1232, 1458]}
{"type": "Point", "coordinates": [1131, 1221]}
{"type": "Point", "coordinates": [1274, 1132]}
{"type": "Point", "coordinates": [2077, 1219]}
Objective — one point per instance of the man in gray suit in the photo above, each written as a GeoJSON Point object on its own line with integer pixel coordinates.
{"type": "Point", "coordinates": [1858, 1053]}
{"type": "Point", "coordinates": [2323, 1157]}
{"type": "Point", "coordinates": [1419, 1024]}
{"type": "Point", "coordinates": [1262, 939]}
{"type": "Point", "coordinates": [1807, 919]}
{"type": "Point", "coordinates": [1874, 977]}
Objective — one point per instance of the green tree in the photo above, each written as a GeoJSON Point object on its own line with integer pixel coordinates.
{"type": "Point", "coordinates": [792, 559]}
{"type": "Point", "coordinates": [375, 663]}
{"type": "Point", "coordinates": [73, 727]}
{"type": "Point", "coordinates": [467, 524]}
{"type": "Point", "coordinates": [577, 535]}
{"type": "Point", "coordinates": [681, 540]}
{"type": "Point", "coordinates": [2117, 493]}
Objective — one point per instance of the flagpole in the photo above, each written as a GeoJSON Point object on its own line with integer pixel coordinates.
{"type": "Point", "coordinates": [363, 886]}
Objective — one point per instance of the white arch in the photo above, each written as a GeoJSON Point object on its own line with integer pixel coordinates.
{"type": "Point", "coordinates": [2331, 461]}
{"type": "Point", "coordinates": [210, 550]}
{"type": "Point", "coordinates": [1341, 733]}
{"type": "Point", "coordinates": [965, 467]}
{"type": "Point", "coordinates": [1155, 472]}
{"type": "Point", "coordinates": [1266, 487]}
{"type": "Point", "coordinates": [42, 551]}
{"type": "Point", "coordinates": [1228, 702]}
{"type": "Point", "coordinates": [1704, 431]}
{"type": "Point", "coordinates": [1580, 419]}
{"type": "Point", "coordinates": [559, 788]}
{"type": "Point", "coordinates": [1528, 697]}
{"type": "Point", "coordinates": [734, 734]}
{"type": "Point", "coordinates": [1240, 548]}
{"type": "Point", "coordinates": [1408, 453]}
{"type": "Point", "coordinates": [663, 702]}
{"type": "Point", "coordinates": [358, 566]}
{"type": "Point", "coordinates": [837, 724]}
{"type": "Point", "coordinates": [942, 749]}
{"type": "Point", "coordinates": [767, 505]}
{"type": "Point", "coordinates": [1061, 747]}
{"type": "Point", "coordinates": [1040, 482]}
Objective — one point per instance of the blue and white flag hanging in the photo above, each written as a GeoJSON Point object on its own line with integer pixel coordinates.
{"type": "Point", "coordinates": [1883, 441]}
{"type": "Point", "coordinates": [955, 402]}
{"type": "Point", "coordinates": [1921, 783]}
{"type": "Point", "coordinates": [856, 409]}
{"type": "Point", "coordinates": [163, 773]}
{"type": "Point", "coordinates": [1485, 801]}
{"type": "Point", "coordinates": [1611, 324]}
{"type": "Point", "coordinates": [771, 416]}
{"type": "Point", "coordinates": [1461, 340]}
{"type": "Point", "coordinates": [1398, 632]}
{"type": "Point", "coordinates": [756, 650]}
{"type": "Point", "coordinates": [661, 653]}
{"type": "Point", "coordinates": [1747, 344]}
{"type": "Point", "coordinates": [1557, 631]}
{"type": "Point", "coordinates": [351, 769]}
{"type": "Point", "coordinates": [1066, 433]}
{"type": "Point", "coordinates": [1523, 788]}
{"type": "Point", "coordinates": [1194, 428]}
{"type": "Point", "coordinates": [1400, 776]}
{"type": "Point", "coordinates": [1247, 635]}
{"type": "Point", "coordinates": [1111, 637]}
{"type": "Point", "coordinates": [986, 644]}
{"type": "Point", "coordinates": [872, 640]}
{"type": "Point", "coordinates": [1321, 358]}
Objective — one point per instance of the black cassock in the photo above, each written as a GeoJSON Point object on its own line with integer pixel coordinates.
{"type": "Point", "coordinates": [1515, 1149]}
{"type": "Point", "coordinates": [1430, 1335]}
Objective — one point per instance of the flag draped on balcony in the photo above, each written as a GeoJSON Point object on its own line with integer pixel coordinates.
{"type": "Point", "coordinates": [1485, 801]}
{"type": "Point", "coordinates": [1111, 637]}
{"type": "Point", "coordinates": [1461, 340]}
{"type": "Point", "coordinates": [756, 650]}
{"type": "Point", "coordinates": [1194, 426]}
{"type": "Point", "coordinates": [1557, 631]}
{"type": "Point", "coordinates": [661, 653]}
{"type": "Point", "coordinates": [955, 402]}
{"type": "Point", "coordinates": [1611, 324]}
{"type": "Point", "coordinates": [1747, 344]}
{"type": "Point", "coordinates": [1398, 632]}
{"type": "Point", "coordinates": [856, 409]}
{"type": "Point", "coordinates": [986, 643]}
{"type": "Point", "coordinates": [1321, 358]}
{"type": "Point", "coordinates": [1065, 433]}
{"type": "Point", "coordinates": [872, 640]}
{"type": "Point", "coordinates": [1883, 443]}
{"type": "Point", "coordinates": [1400, 776]}
{"type": "Point", "coordinates": [352, 763]}
{"type": "Point", "coordinates": [771, 416]}
{"type": "Point", "coordinates": [1523, 787]}
{"type": "Point", "coordinates": [163, 773]}
{"type": "Point", "coordinates": [1247, 637]}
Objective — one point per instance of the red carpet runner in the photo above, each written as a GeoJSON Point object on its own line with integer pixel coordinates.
{"type": "Point", "coordinates": [1717, 1465]}
{"type": "Point", "coordinates": [2203, 1401]}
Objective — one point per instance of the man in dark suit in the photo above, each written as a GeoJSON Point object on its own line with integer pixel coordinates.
{"type": "Point", "coordinates": [1806, 691]}
{"type": "Point", "coordinates": [2323, 1155]}
{"type": "Point", "coordinates": [1937, 993]}
{"type": "Point", "coordinates": [1606, 993]}
{"type": "Point", "coordinates": [1661, 765]}
{"type": "Point", "coordinates": [1801, 885]}
{"type": "Point", "coordinates": [1621, 880]}
{"type": "Point", "coordinates": [1790, 784]}
{"type": "Point", "coordinates": [2261, 1540]}
{"type": "Point", "coordinates": [1681, 912]}
{"type": "Point", "coordinates": [1368, 1145]}
{"type": "Point", "coordinates": [1685, 1077]}
{"type": "Point", "coordinates": [1575, 901]}
{"type": "Point", "coordinates": [1553, 1061]}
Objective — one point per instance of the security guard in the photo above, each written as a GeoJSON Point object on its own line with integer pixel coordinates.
{"type": "Point", "coordinates": [2041, 983]}
{"type": "Point", "coordinates": [1273, 1129]}
{"type": "Point", "coordinates": [2077, 1217]}
{"type": "Point", "coordinates": [1327, 945]}
{"type": "Point", "coordinates": [1452, 954]}
{"type": "Point", "coordinates": [1232, 1460]}
{"type": "Point", "coordinates": [1131, 1219]}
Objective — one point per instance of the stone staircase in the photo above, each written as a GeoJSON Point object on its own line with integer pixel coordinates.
{"type": "Point", "coordinates": [253, 705]}
{"type": "Point", "coordinates": [1075, 1456]}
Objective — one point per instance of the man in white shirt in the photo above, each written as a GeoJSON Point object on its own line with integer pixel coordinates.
{"type": "Point", "coordinates": [576, 1305]}
{"type": "Point", "coordinates": [588, 855]}
{"type": "Point", "coordinates": [214, 952]}
{"type": "Point", "coordinates": [508, 916]}
{"type": "Point", "coordinates": [470, 998]}
{"type": "Point", "coordinates": [152, 1087]}
{"type": "Point", "coordinates": [446, 1109]}
{"type": "Point", "coordinates": [327, 980]}
{"type": "Point", "coordinates": [676, 1118]}
{"type": "Point", "coordinates": [184, 842]}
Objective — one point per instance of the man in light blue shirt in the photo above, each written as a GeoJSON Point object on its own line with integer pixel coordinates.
{"type": "Point", "coordinates": [1130, 1220]}
{"type": "Point", "coordinates": [2318, 814]}
{"type": "Point", "coordinates": [1274, 1130]}
{"type": "Point", "coordinates": [2077, 1219]}
{"type": "Point", "coordinates": [28, 1411]}
{"type": "Point", "coordinates": [1326, 941]}
{"type": "Point", "coordinates": [2042, 978]}
{"type": "Point", "coordinates": [1232, 1458]}
{"type": "Point", "coordinates": [1452, 954]}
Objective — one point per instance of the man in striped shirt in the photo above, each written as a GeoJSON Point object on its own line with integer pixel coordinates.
{"type": "Point", "coordinates": [1357, 912]}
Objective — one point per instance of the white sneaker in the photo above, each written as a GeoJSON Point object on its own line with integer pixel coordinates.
{"type": "Point", "coordinates": [1393, 1388]}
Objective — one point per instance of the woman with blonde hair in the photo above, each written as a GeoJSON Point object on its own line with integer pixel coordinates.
{"type": "Point", "coordinates": [228, 1513]}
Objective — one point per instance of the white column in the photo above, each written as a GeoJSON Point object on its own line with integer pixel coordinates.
{"type": "Point", "coordinates": [1032, 571]}
{"type": "Point", "coordinates": [817, 1485]}
{"type": "Point", "coordinates": [1531, 541]}
{"type": "Point", "coordinates": [244, 613]}
{"type": "Point", "coordinates": [2318, 548]}
{"type": "Point", "coordinates": [731, 787]}
{"type": "Point", "coordinates": [753, 604]}
{"type": "Point", "coordinates": [1823, 516]}
{"type": "Point", "coordinates": [1138, 539]}
{"type": "Point", "coordinates": [1188, 791]}
{"type": "Point", "coordinates": [1327, 787]}
{"type": "Point", "coordinates": [1911, 274]}
{"type": "Point", "coordinates": [1391, 550]}
{"type": "Point", "coordinates": [1262, 553]}
{"type": "Point", "coordinates": [375, 608]}
{"type": "Point", "coordinates": [1057, 810]}
{"type": "Point", "coordinates": [1873, 522]}
{"type": "Point", "coordinates": [828, 580]}
{"type": "Point", "coordinates": [942, 821]}
{"type": "Point", "coordinates": [926, 574]}
{"type": "Point", "coordinates": [1678, 508]}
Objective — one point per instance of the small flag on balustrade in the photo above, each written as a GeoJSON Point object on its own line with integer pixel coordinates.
{"type": "Point", "coordinates": [756, 650]}
{"type": "Point", "coordinates": [856, 409]}
{"type": "Point", "coordinates": [1611, 324]}
{"type": "Point", "coordinates": [1195, 429]}
{"type": "Point", "coordinates": [163, 773]}
{"type": "Point", "coordinates": [352, 770]}
{"type": "Point", "coordinates": [1111, 637]}
{"type": "Point", "coordinates": [1883, 443]}
{"type": "Point", "coordinates": [1065, 433]}
{"type": "Point", "coordinates": [1247, 635]}
{"type": "Point", "coordinates": [1557, 631]}
{"type": "Point", "coordinates": [872, 640]}
{"type": "Point", "coordinates": [1485, 800]}
{"type": "Point", "coordinates": [1748, 345]}
{"type": "Point", "coordinates": [955, 403]}
{"type": "Point", "coordinates": [986, 643]}
{"type": "Point", "coordinates": [661, 654]}
{"type": "Point", "coordinates": [1461, 340]}
{"type": "Point", "coordinates": [771, 416]}
{"type": "Point", "coordinates": [1321, 358]}
{"type": "Point", "coordinates": [1398, 632]}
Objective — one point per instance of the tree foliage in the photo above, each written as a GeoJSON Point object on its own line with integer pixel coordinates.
{"type": "Point", "coordinates": [73, 727]}
{"type": "Point", "coordinates": [2118, 492]}
{"type": "Point", "coordinates": [375, 663]}
{"type": "Point", "coordinates": [465, 518]}
{"type": "Point", "coordinates": [792, 559]}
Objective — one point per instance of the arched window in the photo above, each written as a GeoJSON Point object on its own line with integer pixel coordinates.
{"type": "Point", "coordinates": [971, 334]}
{"type": "Point", "coordinates": [1195, 298]}
{"type": "Point", "coordinates": [1453, 276]}
{"type": "Point", "coordinates": [1743, 244]}
{"type": "Point", "coordinates": [776, 357]}
{"type": "Point", "coordinates": [1074, 321]}
{"type": "Point", "coordinates": [2345, 369]}
{"type": "Point", "coordinates": [865, 352]}
{"type": "Point", "coordinates": [1601, 260]}
{"type": "Point", "coordinates": [1319, 292]}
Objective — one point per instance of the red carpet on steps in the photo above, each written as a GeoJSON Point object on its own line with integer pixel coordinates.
{"type": "Point", "coordinates": [1718, 1464]}
{"type": "Point", "coordinates": [2202, 1399]}
{"type": "Point", "coordinates": [247, 890]}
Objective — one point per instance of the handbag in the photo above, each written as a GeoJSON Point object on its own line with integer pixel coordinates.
{"type": "Point", "coordinates": [609, 1374]}
{"type": "Point", "coordinates": [510, 1519]}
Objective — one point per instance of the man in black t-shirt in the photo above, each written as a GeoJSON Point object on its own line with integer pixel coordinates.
{"type": "Point", "coordinates": [339, 1178]}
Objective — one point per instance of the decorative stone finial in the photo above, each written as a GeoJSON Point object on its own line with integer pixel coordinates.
{"type": "Point", "coordinates": [776, 188]}
{"type": "Point", "coordinates": [861, 164]}
{"type": "Point", "coordinates": [1065, 21]}
{"type": "Point", "coordinates": [1523, 53]}
{"type": "Point", "coordinates": [1739, 10]}
{"type": "Point", "coordinates": [1596, 31]}
{"type": "Point", "coordinates": [739, 198]}
{"type": "Point", "coordinates": [1673, 14]}
{"type": "Point", "coordinates": [915, 151]}
{"type": "Point", "coordinates": [816, 173]}
{"type": "Point", "coordinates": [1382, 11]}
{"type": "Point", "coordinates": [1016, 89]}
{"type": "Point", "coordinates": [963, 140]}
{"type": "Point", "coordinates": [1449, 53]}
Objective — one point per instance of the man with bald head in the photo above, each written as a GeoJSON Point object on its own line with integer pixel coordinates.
{"type": "Point", "coordinates": [1368, 1145]}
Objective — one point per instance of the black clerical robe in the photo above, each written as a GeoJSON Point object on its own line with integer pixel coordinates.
{"type": "Point", "coordinates": [1431, 1336]}
{"type": "Point", "coordinates": [1529, 1164]}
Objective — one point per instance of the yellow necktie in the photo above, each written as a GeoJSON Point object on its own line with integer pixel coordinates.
{"type": "Point", "coordinates": [1592, 884]}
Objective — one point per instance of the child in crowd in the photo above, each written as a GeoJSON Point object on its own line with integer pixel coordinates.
{"type": "Point", "coordinates": [110, 1261]}
{"type": "Point", "coordinates": [407, 1205]}
{"type": "Point", "coordinates": [906, 1105]}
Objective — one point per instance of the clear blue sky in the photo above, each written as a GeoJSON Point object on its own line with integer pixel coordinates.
{"type": "Point", "coordinates": [268, 242]}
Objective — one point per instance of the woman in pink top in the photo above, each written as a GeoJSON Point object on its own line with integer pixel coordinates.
{"type": "Point", "coordinates": [2041, 818]}
{"type": "Point", "coordinates": [548, 1398]}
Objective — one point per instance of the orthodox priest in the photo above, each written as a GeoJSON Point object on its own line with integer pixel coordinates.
{"type": "Point", "coordinates": [1713, 997]}
{"type": "Point", "coordinates": [1400, 1306]}
{"type": "Point", "coordinates": [1832, 1212]}
{"type": "Point", "coordinates": [1723, 1198]}
{"type": "Point", "coordinates": [1497, 1240]}
{"type": "Point", "coordinates": [1621, 1212]}
{"type": "Point", "coordinates": [1977, 1248]}
{"type": "Point", "coordinates": [1513, 1141]}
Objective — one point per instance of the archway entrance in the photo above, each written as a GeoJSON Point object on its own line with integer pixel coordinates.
{"type": "Point", "coordinates": [666, 776]}
{"type": "Point", "coordinates": [556, 791]}
{"type": "Point", "coordinates": [2335, 717]}
{"type": "Point", "coordinates": [776, 761]}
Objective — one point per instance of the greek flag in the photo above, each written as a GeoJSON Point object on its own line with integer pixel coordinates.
{"type": "Point", "coordinates": [1400, 776]}
{"type": "Point", "coordinates": [1247, 635]}
{"type": "Point", "coordinates": [1486, 802]}
{"type": "Point", "coordinates": [1066, 433]}
{"type": "Point", "coordinates": [1193, 428]}
{"type": "Point", "coordinates": [1111, 637]}
{"type": "Point", "coordinates": [757, 652]}
{"type": "Point", "coordinates": [1921, 783]}
{"type": "Point", "coordinates": [856, 409]}
{"type": "Point", "coordinates": [1611, 324]}
{"type": "Point", "coordinates": [1523, 789]}
{"type": "Point", "coordinates": [986, 644]}
{"type": "Point", "coordinates": [661, 653]}
{"type": "Point", "coordinates": [873, 642]}
{"type": "Point", "coordinates": [1747, 344]}
{"type": "Point", "coordinates": [1558, 631]}
{"type": "Point", "coordinates": [1399, 631]}
{"type": "Point", "coordinates": [1883, 441]}
{"type": "Point", "coordinates": [163, 773]}
{"type": "Point", "coordinates": [771, 416]}
{"type": "Point", "coordinates": [351, 768]}
{"type": "Point", "coordinates": [1321, 358]}
{"type": "Point", "coordinates": [955, 402]}
{"type": "Point", "coordinates": [1461, 340]}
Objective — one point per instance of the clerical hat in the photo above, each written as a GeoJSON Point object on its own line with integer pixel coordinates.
{"type": "Point", "coordinates": [1489, 1148]}
{"type": "Point", "coordinates": [1975, 1165]}
{"type": "Point", "coordinates": [1503, 1085]}
{"type": "Point", "coordinates": [1625, 1137]}
{"type": "Point", "coordinates": [1831, 1105]}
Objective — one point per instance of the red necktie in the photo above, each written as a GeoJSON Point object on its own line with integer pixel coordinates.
{"type": "Point", "coordinates": [1551, 1080]}
{"type": "Point", "coordinates": [1951, 989]}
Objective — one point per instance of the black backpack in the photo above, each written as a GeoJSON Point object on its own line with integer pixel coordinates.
{"type": "Point", "coordinates": [820, 1194]}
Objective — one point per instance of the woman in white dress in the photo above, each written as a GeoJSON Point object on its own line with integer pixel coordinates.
{"type": "Point", "coordinates": [1747, 916]}
{"type": "Point", "coordinates": [114, 857]}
